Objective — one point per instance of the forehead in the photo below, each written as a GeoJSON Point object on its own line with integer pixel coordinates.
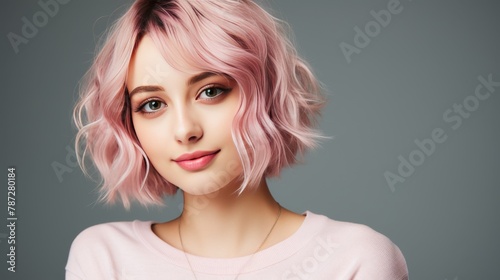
{"type": "Point", "coordinates": [145, 53]}
{"type": "Point", "coordinates": [148, 66]}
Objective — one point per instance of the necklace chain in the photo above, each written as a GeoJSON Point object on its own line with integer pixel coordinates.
{"type": "Point", "coordinates": [251, 256]}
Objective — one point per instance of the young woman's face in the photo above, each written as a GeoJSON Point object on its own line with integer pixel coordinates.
{"type": "Point", "coordinates": [183, 121]}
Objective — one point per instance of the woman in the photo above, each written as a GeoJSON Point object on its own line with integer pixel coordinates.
{"type": "Point", "coordinates": [209, 97]}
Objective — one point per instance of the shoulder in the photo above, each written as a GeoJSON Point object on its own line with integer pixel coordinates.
{"type": "Point", "coordinates": [99, 246]}
{"type": "Point", "coordinates": [109, 234]}
{"type": "Point", "coordinates": [94, 238]}
{"type": "Point", "coordinates": [364, 249]}
{"type": "Point", "coordinates": [103, 232]}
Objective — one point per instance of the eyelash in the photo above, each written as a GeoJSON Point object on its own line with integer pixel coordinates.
{"type": "Point", "coordinates": [222, 90]}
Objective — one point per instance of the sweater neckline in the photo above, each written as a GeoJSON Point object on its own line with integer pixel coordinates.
{"type": "Point", "coordinates": [276, 253]}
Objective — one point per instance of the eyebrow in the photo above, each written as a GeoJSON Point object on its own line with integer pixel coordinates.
{"type": "Point", "coordinates": [145, 89]}
{"type": "Point", "coordinates": [192, 80]}
{"type": "Point", "coordinates": [200, 77]}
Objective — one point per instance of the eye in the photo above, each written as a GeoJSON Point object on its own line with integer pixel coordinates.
{"type": "Point", "coordinates": [212, 92]}
{"type": "Point", "coordinates": [151, 106]}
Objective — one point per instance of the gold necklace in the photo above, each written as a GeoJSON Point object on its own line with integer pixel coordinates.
{"type": "Point", "coordinates": [258, 249]}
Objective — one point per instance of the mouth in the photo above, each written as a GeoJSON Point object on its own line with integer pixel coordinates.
{"type": "Point", "coordinates": [195, 155]}
{"type": "Point", "coordinates": [196, 161]}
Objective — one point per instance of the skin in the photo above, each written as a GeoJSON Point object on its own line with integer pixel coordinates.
{"type": "Point", "coordinates": [186, 117]}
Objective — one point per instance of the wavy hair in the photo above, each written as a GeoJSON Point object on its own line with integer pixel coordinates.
{"type": "Point", "coordinates": [280, 99]}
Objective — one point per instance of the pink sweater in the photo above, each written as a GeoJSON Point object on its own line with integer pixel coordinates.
{"type": "Point", "coordinates": [320, 249]}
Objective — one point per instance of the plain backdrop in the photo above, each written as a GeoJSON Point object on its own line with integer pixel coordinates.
{"type": "Point", "coordinates": [404, 79]}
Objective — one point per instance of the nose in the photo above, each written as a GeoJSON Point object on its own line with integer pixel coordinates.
{"type": "Point", "coordinates": [187, 127]}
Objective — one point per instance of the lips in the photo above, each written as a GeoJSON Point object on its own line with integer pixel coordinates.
{"type": "Point", "coordinates": [195, 155]}
{"type": "Point", "coordinates": [196, 161]}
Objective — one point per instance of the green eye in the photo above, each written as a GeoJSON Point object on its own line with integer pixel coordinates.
{"type": "Point", "coordinates": [212, 92]}
{"type": "Point", "coordinates": [152, 106]}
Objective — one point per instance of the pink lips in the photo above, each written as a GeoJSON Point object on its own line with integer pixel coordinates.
{"type": "Point", "coordinates": [195, 161]}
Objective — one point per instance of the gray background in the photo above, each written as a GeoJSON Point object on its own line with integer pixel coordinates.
{"type": "Point", "coordinates": [444, 217]}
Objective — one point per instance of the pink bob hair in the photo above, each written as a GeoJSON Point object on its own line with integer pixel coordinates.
{"type": "Point", "coordinates": [280, 99]}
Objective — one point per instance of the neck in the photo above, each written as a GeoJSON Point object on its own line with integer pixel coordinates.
{"type": "Point", "coordinates": [225, 224]}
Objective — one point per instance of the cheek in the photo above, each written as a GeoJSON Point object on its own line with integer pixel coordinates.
{"type": "Point", "coordinates": [218, 129]}
{"type": "Point", "coordinates": [225, 116]}
{"type": "Point", "coordinates": [221, 127]}
{"type": "Point", "coordinates": [150, 135]}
